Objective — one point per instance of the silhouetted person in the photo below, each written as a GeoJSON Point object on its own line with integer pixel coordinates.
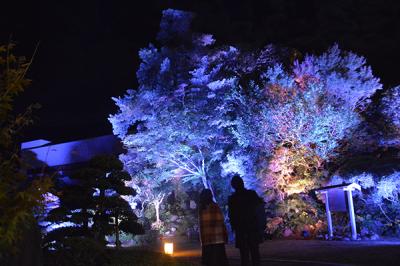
{"type": "Point", "coordinates": [243, 204]}
{"type": "Point", "coordinates": [213, 234]}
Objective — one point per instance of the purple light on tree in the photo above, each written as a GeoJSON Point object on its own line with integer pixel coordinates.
{"type": "Point", "coordinates": [202, 112]}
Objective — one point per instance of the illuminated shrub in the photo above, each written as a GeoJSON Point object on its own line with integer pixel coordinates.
{"type": "Point", "coordinates": [297, 216]}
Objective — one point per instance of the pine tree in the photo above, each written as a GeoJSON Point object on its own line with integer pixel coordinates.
{"type": "Point", "coordinates": [92, 205]}
{"type": "Point", "coordinates": [112, 213]}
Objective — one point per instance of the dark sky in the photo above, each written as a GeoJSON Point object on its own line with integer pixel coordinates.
{"type": "Point", "coordinates": [88, 49]}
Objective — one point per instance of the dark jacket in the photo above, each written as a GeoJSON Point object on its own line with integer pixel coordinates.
{"type": "Point", "coordinates": [243, 217]}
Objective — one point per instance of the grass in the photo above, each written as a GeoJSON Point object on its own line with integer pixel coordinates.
{"type": "Point", "coordinates": [112, 257]}
{"type": "Point", "coordinates": [138, 257]}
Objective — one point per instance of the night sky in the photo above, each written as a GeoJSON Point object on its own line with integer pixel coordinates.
{"type": "Point", "coordinates": [88, 49]}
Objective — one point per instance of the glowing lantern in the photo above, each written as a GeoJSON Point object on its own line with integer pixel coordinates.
{"type": "Point", "coordinates": [169, 248]}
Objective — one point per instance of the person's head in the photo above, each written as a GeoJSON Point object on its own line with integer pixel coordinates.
{"type": "Point", "coordinates": [237, 183]}
{"type": "Point", "coordinates": [206, 198]}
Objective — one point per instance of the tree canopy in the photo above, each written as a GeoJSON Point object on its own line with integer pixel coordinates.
{"type": "Point", "coordinates": [203, 111]}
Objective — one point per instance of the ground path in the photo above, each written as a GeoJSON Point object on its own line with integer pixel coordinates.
{"type": "Point", "coordinates": [308, 252]}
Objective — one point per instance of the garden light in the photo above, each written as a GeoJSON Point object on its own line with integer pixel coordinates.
{"type": "Point", "coordinates": [169, 248]}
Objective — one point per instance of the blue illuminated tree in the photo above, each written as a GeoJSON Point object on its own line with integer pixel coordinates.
{"type": "Point", "coordinates": [172, 125]}
{"type": "Point", "coordinates": [202, 112]}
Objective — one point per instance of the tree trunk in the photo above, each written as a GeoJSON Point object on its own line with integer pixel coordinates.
{"type": "Point", "coordinates": [116, 227]}
{"type": "Point", "coordinates": [86, 221]}
{"type": "Point", "coordinates": [157, 207]}
{"type": "Point", "coordinates": [205, 182]}
{"type": "Point", "coordinates": [157, 203]}
{"type": "Point", "coordinates": [207, 185]}
{"type": "Point", "coordinates": [100, 217]}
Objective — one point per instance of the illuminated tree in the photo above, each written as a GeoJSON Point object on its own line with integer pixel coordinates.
{"type": "Point", "coordinates": [299, 116]}
{"type": "Point", "coordinates": [166, 123]}
{"type": "Point", "coordinates": [202, 112]}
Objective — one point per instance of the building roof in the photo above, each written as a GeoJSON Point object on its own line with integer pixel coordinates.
{"type": "Point", "coordinates": [72, 152]}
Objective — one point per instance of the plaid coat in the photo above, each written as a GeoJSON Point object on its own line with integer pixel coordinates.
{"type": "Point", "coordinates": [212, 226]}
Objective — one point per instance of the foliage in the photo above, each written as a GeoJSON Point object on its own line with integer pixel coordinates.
{"type": "Point", "coordinates": [92, 206]}
{"type": "Point", "coordinates": [180, 218]}
{"type": "Point", "coordinates": [292, 170]}
{"type": "Point", "coordinates": [20, 196]}
{"type": "Point", "coordinates": [110, 187]}
{"type": "Point", "coordinates": [378, 206]}
{"type": "Point", "coordinates": [203, 112]}
{"type": "Point", "coordinates": [299, 116]}
{"type": "Point", "coordinates": [149, 239]}
{"type": "Point", "coordinates": [178, 87]}
{"type": "Point", "coordinates": [390, 108]}
{"type": "Point", "coordinates": [294, 217]}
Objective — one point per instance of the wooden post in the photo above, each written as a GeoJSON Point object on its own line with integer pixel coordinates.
{"type": "Point", "coordinates": [339, 205]}
{"type": "Point", "coordinates": [351, 214]}
{"type": "Point", "coordinates": [328, 215]}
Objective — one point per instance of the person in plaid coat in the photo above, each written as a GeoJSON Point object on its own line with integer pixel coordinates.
{"type": "Point", "coordinates": [213, 234]}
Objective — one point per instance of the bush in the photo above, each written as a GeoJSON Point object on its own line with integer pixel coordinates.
{"type": "Point", "coordinates": [150, 238]}
{"type": "Point", "coordinates": [78, 251]}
